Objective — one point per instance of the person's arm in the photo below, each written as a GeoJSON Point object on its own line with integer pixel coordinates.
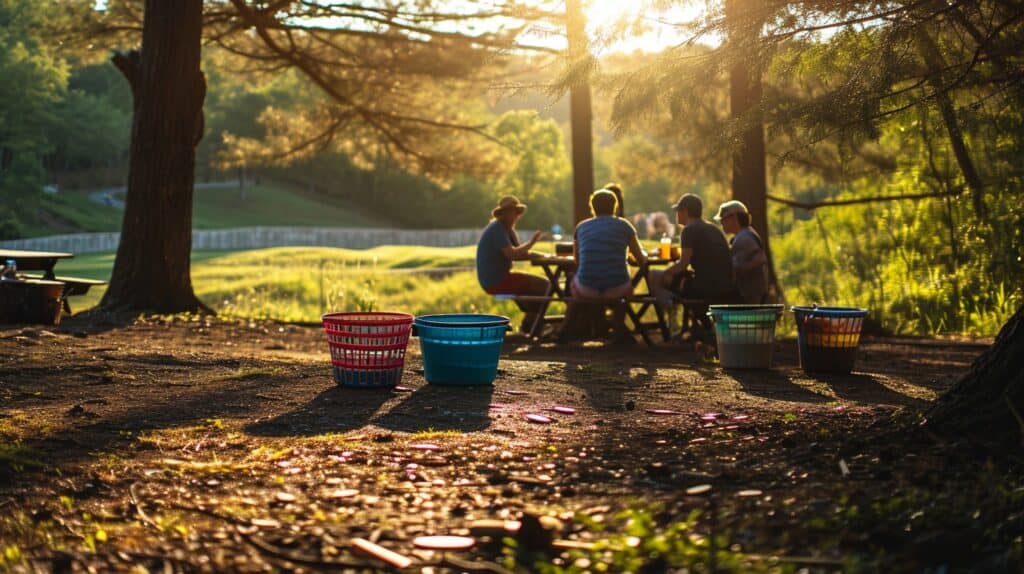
{"type": "Point", "coordinates": [523, 251]}
{"type": "Point", "coordinates": [756, 262]}
{"type": "Point", "coordinates": [637, 250]}
{"type": "Point", "coordinates": [679, 267]}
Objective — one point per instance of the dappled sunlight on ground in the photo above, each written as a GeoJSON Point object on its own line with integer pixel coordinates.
{"type": "Point", "coordinates": [229, 443]}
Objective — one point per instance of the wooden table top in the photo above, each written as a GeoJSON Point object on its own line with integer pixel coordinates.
{"type": "Point", "coordinates": [30, 255]}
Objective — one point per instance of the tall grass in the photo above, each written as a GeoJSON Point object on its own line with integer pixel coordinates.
{"type": "Point", "coordinates": [299, 284]}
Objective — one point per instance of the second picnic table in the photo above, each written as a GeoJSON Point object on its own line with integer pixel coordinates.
{"type": "Point", "coordinates": [45, 261]}
{"type": "Point", "coordinates": [34, 260]}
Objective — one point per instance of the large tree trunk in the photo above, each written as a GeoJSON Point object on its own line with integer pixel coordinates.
{"type": "Point", "coordinates": [988, 400]}
{"type": "Point", "coordinates": [749, 173]}
{"type": "Point", "coordinates": [152, 269]}
{"type": "Point", "coordinates": [580, 117]}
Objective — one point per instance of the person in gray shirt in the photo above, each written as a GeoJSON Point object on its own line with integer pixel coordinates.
{"type": "Point", "coordinates": [749, 260]}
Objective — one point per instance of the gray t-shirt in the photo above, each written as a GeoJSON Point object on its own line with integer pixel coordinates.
{"type": "Point", "coordinates": [752, 284]}
{"type": "Point", "coordinates": [603, 241]}
{"type": "Point", "coordinates": [711, 262]}
{"type": "Point", "coordinates": [491, 263]}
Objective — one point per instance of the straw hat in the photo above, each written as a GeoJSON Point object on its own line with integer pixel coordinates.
{"type": "Point", "coordinates": [507, 203]}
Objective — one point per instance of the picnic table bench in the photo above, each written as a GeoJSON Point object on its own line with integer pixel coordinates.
{"type": "Point", "coordinates": [35, 288]}
{"type": "Point", "coordinates": [635, 306]}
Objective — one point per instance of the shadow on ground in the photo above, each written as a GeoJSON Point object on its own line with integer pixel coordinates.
{"type": "Point", "coordinates": [774, 385]}
{"type": "Point", "coordinates": [865, 388]}
{"type": "Point", "coordinates": [335, 410]}
{"type": "Point", "coordinates": [435, 407]}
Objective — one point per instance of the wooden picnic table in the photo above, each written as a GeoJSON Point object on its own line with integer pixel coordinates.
{"type": "Point", "coordinates": [560, 270]}
{"type": "Point", "coordinates": [34, 260]}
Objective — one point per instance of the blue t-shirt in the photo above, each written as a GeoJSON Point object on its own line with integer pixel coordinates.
{"type": "Point", "coordinates": [491, 263]}
{"type": "Point", "coordinates": [602, 243]}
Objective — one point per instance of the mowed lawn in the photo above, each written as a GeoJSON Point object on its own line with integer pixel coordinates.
{"type": "Point", "coordinates": [301, 283]}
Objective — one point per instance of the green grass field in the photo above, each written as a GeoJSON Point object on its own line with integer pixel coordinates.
{"type": "Point", "coordinates": [301, 283]}
{"type": "Point", "coordinates": [220, 208]}
{"type": "Point", "coordinates": [76, 208]}
{"type": "Point", "coordinates": [268, 204]}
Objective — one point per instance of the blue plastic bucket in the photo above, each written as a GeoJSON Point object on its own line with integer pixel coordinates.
{"type": "Point", "coordinates": [828, 337]}
{"type": "Point", "coordinates": [460, 349]}
{"type": "Point", "coordinates": [745, 334]}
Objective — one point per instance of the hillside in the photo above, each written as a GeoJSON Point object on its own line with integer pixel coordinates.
{"type": "Point", "coordinates": [215, 207]}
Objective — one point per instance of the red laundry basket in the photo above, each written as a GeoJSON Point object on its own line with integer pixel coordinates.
{"type": "Point", "coordinates": [368, 349]}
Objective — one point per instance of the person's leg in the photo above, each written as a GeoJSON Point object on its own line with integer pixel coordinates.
{"type": "Point", "coordinates": [532, 312]}
{"type": "Point", "coordinates": [619, 311]}
{"type": "Point", "coordinates": [666, 299]}
{"type": "Point", "coordinates": [702, 329]}
{"type": "Point", "coordinates": [572, 309]}
{"type": "Point", "coordinates": [524, 284]}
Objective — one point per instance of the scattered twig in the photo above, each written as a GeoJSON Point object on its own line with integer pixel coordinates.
{"type": "Point", "coordinates": [138, 508]}
{"type": "Point", "coordinates": [380, 553]}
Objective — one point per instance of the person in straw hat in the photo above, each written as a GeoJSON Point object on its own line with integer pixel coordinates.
{"type": "Point", "coordinates": [498, 247]}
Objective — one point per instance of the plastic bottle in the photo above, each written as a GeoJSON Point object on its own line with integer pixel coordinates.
{"type": "Point", "coordinates": [10, 271]}
{"type": "Point", "coordinates": [665, 247]}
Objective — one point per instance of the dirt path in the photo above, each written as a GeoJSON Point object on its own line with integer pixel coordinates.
{"type": "Point", "coordinates": [200, 446]}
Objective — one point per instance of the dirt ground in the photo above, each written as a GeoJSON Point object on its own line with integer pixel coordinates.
{"type": "Point", "coordinates": [191, 444]}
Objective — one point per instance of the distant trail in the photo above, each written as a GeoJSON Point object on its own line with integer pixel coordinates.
{"type": "Point", "coordinates": [107, 197]}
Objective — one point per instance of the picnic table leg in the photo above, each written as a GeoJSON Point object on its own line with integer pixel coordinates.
{"type": "Point", "coordinates": [666, 333]}
{"type": "Point", "coordinates": [638, 325]}
{"type": "Point", "coordinates": [537, 328]}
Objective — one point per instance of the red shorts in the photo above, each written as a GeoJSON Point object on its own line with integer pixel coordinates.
{"type": "Point", "coordinates": [512, 284]}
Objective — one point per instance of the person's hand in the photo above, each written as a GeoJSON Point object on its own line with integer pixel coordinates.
{"type": "Point", "coordinates": [537, 235]}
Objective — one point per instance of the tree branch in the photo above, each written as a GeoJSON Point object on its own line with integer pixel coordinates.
{"type": "Point", "coordinates": [811, 206]}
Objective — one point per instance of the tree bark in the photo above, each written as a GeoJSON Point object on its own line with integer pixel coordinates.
{"type": "Point", "coordinates": [749, 173]}
{"type": "Point", "coordinates": [988, 400]}
{"type": "Point", "coordinates": [580, 117]}
{"type": "Point", "coordinates": [152, 270]}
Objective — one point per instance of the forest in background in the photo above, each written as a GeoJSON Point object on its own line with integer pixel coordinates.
{"type": "Point", "coordinates": [930, 265]}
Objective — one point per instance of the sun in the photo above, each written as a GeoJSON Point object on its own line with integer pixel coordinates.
{"type": "Point", "coordinates": [628, 25]}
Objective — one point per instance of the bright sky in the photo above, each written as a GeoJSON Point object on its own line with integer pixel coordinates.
{"type": "Point", "coordinates": [655, 29]}
{"type": "Point", "coordinates": [647, 29]}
